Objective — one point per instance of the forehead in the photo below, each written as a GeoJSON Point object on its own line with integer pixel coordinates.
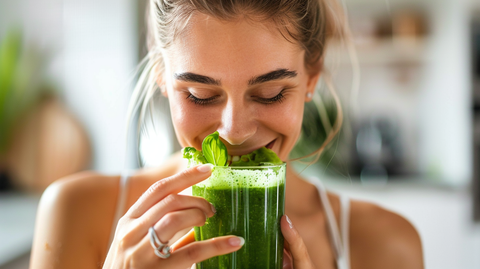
{"type": "Point", "coordinates": [239, 48]}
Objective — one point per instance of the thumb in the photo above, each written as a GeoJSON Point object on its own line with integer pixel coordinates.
{"type": "Point", "coordinates": [296, 246]}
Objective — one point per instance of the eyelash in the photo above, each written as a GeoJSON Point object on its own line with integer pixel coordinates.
{"type": "Point", "coordinates": [268, 101]}
{"type": "Point", "coordinates": [276, 99]}
{"type": "Point", "coordinates": [199, 101]}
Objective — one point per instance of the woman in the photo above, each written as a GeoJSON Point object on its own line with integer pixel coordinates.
{"type": "Point", "coordinates": [244, 69]}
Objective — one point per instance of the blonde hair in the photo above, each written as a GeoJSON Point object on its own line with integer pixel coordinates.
{"type": "Point", "coordinates": [309, 23]}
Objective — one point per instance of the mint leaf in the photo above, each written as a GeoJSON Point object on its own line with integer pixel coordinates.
{"type": "Point", "coordinates": [259, 157]}
{"type": "Point", "coordinates": [189, 152]}
{"type": "Point", "coordinates": [194, 157]}
{"type": "Point", "coordinates": [214, 151]}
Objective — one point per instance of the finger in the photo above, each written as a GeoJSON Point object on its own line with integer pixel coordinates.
{"type": "Point", "coordinates": [300, 256]}
{"type": "Point", "coordinates": [286, 246]}
{"type": "Point", "coordinates": [174, 222]}
{"type": "Point", "coordinates": [287, 260]}
{"type": "Point", "coordinates": [202, 250]}
{"type": "Point", "coordinates": [184, 240]}
{"type": "Point", "coordinates": [166, 228]}
{"type": "Point", "coordinates": [174, 202]}
{"type": "Point", "coordinates": [169, 185]}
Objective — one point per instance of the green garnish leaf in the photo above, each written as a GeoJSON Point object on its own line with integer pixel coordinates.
{"type": "Point", "coordinates": [259, 157]}
{"type": "Point", "coordinates": [194, 157]}
{"type": "Point", "coordinates": [214, 151]}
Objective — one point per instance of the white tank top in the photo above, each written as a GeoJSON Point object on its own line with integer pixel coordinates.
{"type": "Point", "coordinates": [339, 241]}
{"type": "Point", "coordinates": [121, 201]}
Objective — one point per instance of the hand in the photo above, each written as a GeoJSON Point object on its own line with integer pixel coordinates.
{"type": "Point", "coordinates": [295, 252]}
{"type": "Point", "coordinates": [162, 208]}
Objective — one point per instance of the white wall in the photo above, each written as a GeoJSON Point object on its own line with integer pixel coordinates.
{"type": "Point", "coordinates": [42, 24]}
{"type": "Point", "coordinates": [445, 105]}
{"type": "Point", "coordinates": [100, 57]}
{"type": "Point", "coordinates": [94, 53]}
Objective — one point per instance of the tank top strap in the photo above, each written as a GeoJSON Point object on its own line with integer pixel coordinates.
{"type": "Point", "coordinates": [335, 239]}
{"type": "Point", "coordinates": [121, 202]}
{"type": "Point", "coordinates": [344, 261]}
{"type": "Point", "coordinates": [339, 242]}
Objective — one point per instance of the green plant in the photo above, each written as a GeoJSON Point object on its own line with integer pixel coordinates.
{"type": "Point", "coordinates": [21, 82]}
{"type": "Point", "coordinates": [318, 118]}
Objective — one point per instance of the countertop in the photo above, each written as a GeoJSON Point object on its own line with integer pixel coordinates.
{"type": "Point", "coordinates": [17, 222]}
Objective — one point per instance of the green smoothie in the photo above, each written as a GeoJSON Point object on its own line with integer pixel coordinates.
{"type": "Point", "coordinates": [248, 193]}
{"type": "Point", "coordinates": [249, 203]}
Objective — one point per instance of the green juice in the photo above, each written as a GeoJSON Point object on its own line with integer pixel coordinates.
{"type": "Point", "coordinates": [249, 203]}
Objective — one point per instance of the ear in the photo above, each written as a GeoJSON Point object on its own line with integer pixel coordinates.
{"type": "Point", "coordinates": [314, 73]}
{"type": "Point", "coordinates": [161, 85]}
{"type": "Point", "coordinates": [161, 82]}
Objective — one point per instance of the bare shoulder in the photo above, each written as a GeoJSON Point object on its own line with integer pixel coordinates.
{"type": "Point", "coordinates": [76, 213]}
{"type": "Point", "coordinates": [380, 238]}
{"type": "Point", "coordinates": [76, 186]}
{"type": "Point", "coordinates": [73, 221]}
{"type": "Point", "coordinates": [90, 192]}
{"type": "Point", "coordinates": [76, 193]}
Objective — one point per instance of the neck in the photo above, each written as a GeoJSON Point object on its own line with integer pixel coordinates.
{"type": "Point", "coordinates": [301, 197]}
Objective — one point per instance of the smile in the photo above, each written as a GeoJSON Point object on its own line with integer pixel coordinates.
{"type": "Point", "coordinates": [270, 145]}
{"type": "Point", "coordinates": [236, 154]}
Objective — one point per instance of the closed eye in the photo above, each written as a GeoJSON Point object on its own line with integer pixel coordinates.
{"type": "Point", "coordinates": [207, 101]}
{"type": "Point", "coordinates": [276, 99]}
{"type": "Point", "coordinates": [200, 101]}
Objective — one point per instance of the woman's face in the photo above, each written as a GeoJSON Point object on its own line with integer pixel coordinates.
{"type": "Point", "coordinates": [242, 79]}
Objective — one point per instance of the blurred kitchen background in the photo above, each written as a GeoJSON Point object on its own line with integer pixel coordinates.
{"type": "Point", "coordinates": [411, 140]}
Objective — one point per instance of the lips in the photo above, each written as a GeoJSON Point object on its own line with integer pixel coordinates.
{"type": "Point", "coordinates": [270, 145]}
{"type": "Point", "coordinates": [233, 152]}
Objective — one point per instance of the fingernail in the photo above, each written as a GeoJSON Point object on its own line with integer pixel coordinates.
{"type": "Point", "coordinates": [236, 241]}
{"type": "Point", "coordinates": [213, 208]}
{"type": "Point", "coordinates": [290, 224]}
{"type": "Point", "coordinates": [204, 168]}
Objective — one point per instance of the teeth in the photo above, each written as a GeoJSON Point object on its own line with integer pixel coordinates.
{"type": "Point", "coordinates": [235, 158]}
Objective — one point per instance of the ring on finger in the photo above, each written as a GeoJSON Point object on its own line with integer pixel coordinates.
{"type": "Point", "coordinates": [162, 250]}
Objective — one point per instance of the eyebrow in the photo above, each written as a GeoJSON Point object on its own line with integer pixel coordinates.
{"type": "Point", "coordinates": [274, 75]}
{"type": "Point", "coordinates": [192, 77]}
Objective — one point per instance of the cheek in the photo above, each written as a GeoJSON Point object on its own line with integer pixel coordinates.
{"type": "Point", "coordinates": [286, 120]}
{"type": "Point", "coordinates": [184, 122]}
{"type": "Point", "coordinates": [289, 120]}
{"type": "Point", "coordinates": [292, 124]}
{"type": "Point", "coordinates": [292, 128]}
{"type": "Point", "coordinates": [190, 122]}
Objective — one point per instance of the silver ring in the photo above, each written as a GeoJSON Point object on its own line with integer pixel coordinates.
{"type": "Point", "coordinates": [162, 250]}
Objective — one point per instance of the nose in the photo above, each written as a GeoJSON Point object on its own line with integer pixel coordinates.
{"type": "Point", "coordinates": [238, 123]}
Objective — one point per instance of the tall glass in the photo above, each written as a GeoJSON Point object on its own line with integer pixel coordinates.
{"type": "Point", "coordinates": [250, 202]}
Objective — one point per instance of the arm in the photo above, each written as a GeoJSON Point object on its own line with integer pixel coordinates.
{"type": "Point", "coordinates": [72, 218]}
